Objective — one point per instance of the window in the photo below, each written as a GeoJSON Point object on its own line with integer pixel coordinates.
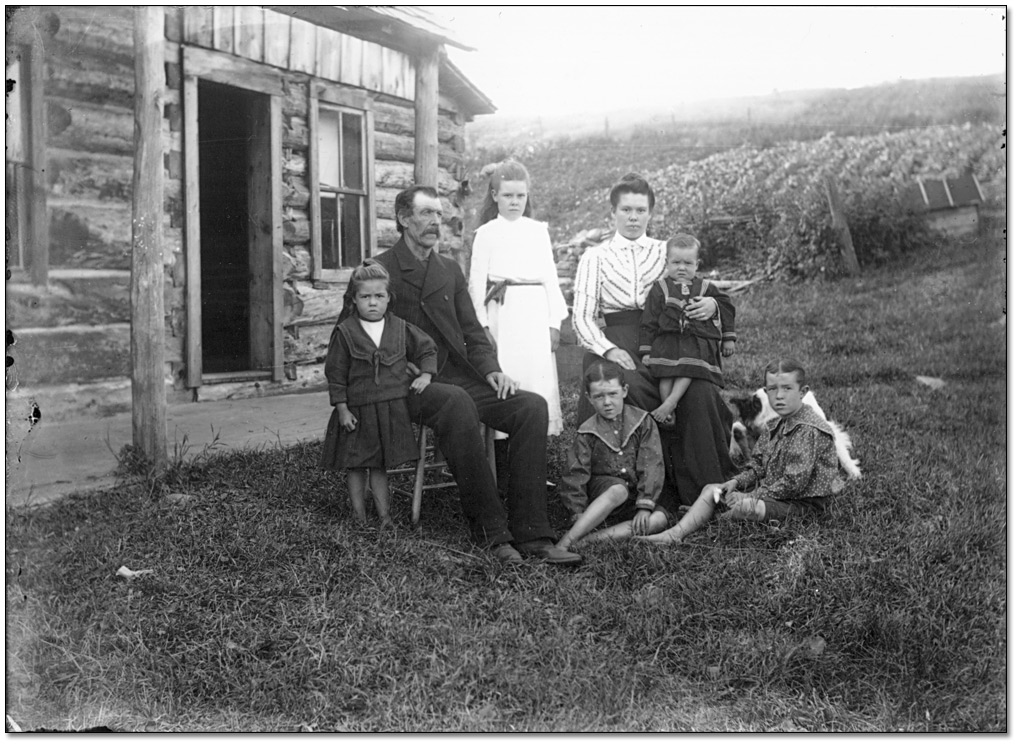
{"type": "Point", "coordinates": [17, 168]}
{"type": "Point", "coordinates": [341, 178]}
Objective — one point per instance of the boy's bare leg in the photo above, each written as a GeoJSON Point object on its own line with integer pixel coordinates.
{"type": "Point", "coordinates": [381, 495]}
{"type": "Point", "coordinates": [357, 492]}
{"type": "Point", "coordinates": [595, 513]}
{"type": "Point", "coordinates": [623, 530]}
{"type": "Point", "coordinates": [671, 392]}
{"type": "Point", "coordinates": [698, 515]}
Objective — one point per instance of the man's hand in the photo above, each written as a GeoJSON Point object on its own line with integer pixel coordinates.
{"type": "Point", "coordinates": [555, 338]}
{"type": "Point", "coordinates": [621, 358]}
{"type": "Point", "coordinates": [502, 384]}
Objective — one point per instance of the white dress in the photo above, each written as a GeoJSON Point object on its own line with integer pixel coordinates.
{"type": "Point", "coordinates": [520, 251]}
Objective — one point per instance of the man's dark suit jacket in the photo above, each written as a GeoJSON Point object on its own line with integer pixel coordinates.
{"type": "Point", "coordinates": [435, 298]}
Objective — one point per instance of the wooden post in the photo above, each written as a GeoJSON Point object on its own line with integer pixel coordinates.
{"type": "Point", "coordinates": [39, 233]}
{"type": "Point", "coordinates": [427, 112]}
{"type": "Point", "coordinates": [837, 213]}
{"type": "Point", "coordinates": [148, 399]}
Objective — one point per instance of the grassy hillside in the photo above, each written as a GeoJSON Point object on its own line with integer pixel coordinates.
{"type": "Point", "coordinates": [571, 176]}
{"type": "Point", "coordinates": [268, 609]}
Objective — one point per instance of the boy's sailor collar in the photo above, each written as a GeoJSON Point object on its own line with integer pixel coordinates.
{"type": "Point", "coordinates": [803, 416]}
{"type": "Point", "coordinates": [601, 428]}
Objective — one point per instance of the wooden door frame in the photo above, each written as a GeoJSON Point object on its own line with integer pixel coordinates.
{"type": "Point", "coordinates": [254, 78]}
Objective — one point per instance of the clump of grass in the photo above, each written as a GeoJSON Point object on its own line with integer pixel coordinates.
{"type": "Point", "coordinates": [269, 609]}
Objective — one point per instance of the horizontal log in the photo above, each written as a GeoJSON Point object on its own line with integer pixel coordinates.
{"type": "Point", "coordinates": [390, 147]}
{"type": "Point", "coordinates": [78, 353]}
{"type": "Point", "coordinates": [83, 126]}
{"type": "Point", "coordinates": [106, 30]}
{"type": "Point", "coordinates": [89, 176]}
{"type": "Point", "coordinates": [308, 378]}
{"type": "Point", "coordinates": [400, 120]}
{"type": "Point", "coordinates": [297, 230]}
{"type": "Point", "coordinates": [401, 174]}
{"type": "Point", "coordinates": [90, 235]}
{"type": "Point", "coordinates": [79, 74]}
{"type": "Point", "coordinates": [311, 344]}
{"type": "Point", "coordinates": [319, 305]}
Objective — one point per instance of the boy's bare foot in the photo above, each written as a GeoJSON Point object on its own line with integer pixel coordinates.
{"type": "Point", "coordinates": [667, 537]}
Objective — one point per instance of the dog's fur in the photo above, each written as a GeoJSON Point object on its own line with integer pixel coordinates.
{"type": "Point", "coordinates": [753, 414]}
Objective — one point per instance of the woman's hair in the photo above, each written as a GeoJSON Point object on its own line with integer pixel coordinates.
{"type": "Point", "coordinates": [510, 171]}
{"type": "Point", "coordinates": [369, 270]}
{"type": "Point", "coordinates": [631, 183]}
{"type": "Point", "coordinates": [684, 241]}
{"type": "Point", "coordinates": [603, 371]}
{"type": "Point", "coordinates": [786, 366]}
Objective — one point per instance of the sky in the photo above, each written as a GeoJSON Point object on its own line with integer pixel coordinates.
{"type": "Point", "coordinates": [573, 59]}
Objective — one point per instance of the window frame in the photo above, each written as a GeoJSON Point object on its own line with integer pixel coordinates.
{"type": "Point", "coordinates": [32, 233]}
{"type": "Point", "coordinates": [350, 102]}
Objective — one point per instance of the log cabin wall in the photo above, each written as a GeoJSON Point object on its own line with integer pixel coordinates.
{"type": "Point", "coordinates": [76, 329]}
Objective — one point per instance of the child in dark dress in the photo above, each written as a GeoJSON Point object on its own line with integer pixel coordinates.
{"type": "Point", "coordinates": [677, 349]}
{"type": "Point", "coordinates": [367, 372]}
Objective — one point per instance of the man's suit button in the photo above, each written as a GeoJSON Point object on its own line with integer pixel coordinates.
{"type": "Point", "coordinates": [446, 298]}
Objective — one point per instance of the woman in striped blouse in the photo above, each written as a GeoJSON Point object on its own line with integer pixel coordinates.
{"type": "Point", "coordinates": [611, 285]}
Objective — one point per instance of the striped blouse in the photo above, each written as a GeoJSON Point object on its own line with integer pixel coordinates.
{"type": "Point", "coordinates": [613, 277]}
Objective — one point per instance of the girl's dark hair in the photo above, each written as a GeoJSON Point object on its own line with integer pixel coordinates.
{"type": "Point", "coordinates": [510, 171]}
{"type": "Point", "coordinates": [369, 270]}
{"type": "Point", "coordinates": [603, 371]}
{"type": "Point", "coordinates": [631, 183]}
{"type": "Point", "coordinates": [786, 366]}
{"type": "Point", "coordinates": [684, 241]}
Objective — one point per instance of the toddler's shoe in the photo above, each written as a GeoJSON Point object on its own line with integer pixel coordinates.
{"type": "Point", "coordinates": [549, 553]}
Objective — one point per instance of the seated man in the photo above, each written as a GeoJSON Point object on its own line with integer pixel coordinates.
{"type": "Point", "coordinates": [430, 292]}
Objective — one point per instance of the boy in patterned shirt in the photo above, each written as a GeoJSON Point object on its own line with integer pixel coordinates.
{"type": "Point", "coordinates": [794, 469]}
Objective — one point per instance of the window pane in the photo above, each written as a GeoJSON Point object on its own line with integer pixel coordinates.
{"type": "Point", "coordinates": [329, 151]}
{"type": "Point", "coordinates": [351, 230]}
{"type": "Point", "coordinates": [352, 142]}
{"type": "Point", "coordinates": [329, 221]}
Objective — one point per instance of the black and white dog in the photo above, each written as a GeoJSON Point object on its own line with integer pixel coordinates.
{"type": "Point", "coordinates": [753, 414]}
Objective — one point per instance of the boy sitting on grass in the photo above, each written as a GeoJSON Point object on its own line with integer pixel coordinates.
{"type": "Point", "coordinates": [616, 457]}
{"type": "Point", "coordinates": [794, 469]}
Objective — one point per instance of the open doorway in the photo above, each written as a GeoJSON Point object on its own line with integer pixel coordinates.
{"type": "Point", "coordinates": [236, 238]}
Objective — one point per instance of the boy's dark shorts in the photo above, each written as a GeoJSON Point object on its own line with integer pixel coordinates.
{"type": "Point", "coordinates": [812, 506]}
{"type": "Point", "coordinates": [599, 484]}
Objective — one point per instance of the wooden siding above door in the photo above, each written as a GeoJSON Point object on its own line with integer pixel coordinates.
{"type": "Point", "coordinates": [277, 39]}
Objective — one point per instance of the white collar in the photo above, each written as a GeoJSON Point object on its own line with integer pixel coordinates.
{"type": "Point", "coordinates": [619, 242]}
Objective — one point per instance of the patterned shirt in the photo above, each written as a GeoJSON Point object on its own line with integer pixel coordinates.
{"type": "Point", "coordinates": [628, 448]}
{"type": "Point", "coordinates": [794, 458]}
{"type": "Point", "coordinates": [613, 277]}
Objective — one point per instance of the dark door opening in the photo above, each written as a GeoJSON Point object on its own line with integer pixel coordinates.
{"type": "Point", "coordinates": [225, 132]}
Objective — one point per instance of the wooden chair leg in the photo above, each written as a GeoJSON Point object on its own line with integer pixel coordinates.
{"type": "Point", "coordinates": [420, 475]}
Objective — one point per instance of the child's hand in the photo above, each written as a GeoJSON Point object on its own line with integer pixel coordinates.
{"type": "Point", "coordinates": [728, 486]}
{"type": "Point", "coordinates": [346, 417]}
{"type": "Point", "coordinates": [645, 360]}
{"type": "Point", "coordinates": [640, 522]}
{"type": "Point", "coordinates": [421, 382]}
{"type": "Point", "coordinates": [727, 348]}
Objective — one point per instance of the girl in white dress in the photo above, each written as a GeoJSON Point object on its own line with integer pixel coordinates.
{"type": "Point", "coordinates": [514, 288]}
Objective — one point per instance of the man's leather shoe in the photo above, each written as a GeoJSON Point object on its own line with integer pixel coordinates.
{"type": "Point", "coordinates": [506, 553]}
{"type": "Point", "coordinates": [549, 553]}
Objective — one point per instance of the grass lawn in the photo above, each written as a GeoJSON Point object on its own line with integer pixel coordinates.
{"type": "Point", "coordinates": [268, 610]}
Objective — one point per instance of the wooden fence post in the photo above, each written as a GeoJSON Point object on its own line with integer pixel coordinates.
{"type": "Point", "coordinates": [427, 112]}
{"type": "Point", "coordinates": [148, 399]}
{"type": "Point", "coordinates": [837, 214]}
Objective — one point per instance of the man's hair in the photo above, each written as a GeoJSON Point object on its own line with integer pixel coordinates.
{"type": "Point", "coordinates": [786, 366]}
{"type": "Point", "coordinates": [603, 371]}
{"type": "Point", "coordinates": [405, 201]}
{"type": "Point", "coordinates": [631, 183]}
{"type": "Point", "coordinates": [684, 241]}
